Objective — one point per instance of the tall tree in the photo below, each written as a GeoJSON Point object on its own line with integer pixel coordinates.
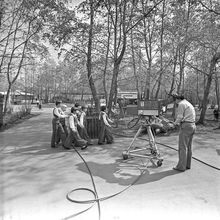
{"type": "Point", "coordinates": [89, 55]}
{"type": "Point", "coordinates": [212, 67]}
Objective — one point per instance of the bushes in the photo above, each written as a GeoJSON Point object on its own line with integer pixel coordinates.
{"type": "Point", "coordinates": [13, 115]}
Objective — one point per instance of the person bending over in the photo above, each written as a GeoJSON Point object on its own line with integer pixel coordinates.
{"type": "Point", "coordinates": [73, 135]}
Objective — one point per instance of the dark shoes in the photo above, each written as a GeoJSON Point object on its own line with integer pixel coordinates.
{"type": "Point", "coordinates": [54, 146]}
{"type": "Point", "coordinates": [177, 169]}
{"type": "Point", "coordinates": [67, 148]}
{"type": "Point", "coordinates": [104, 143]}
{"type": "Point", "coordinates": [84, 147]}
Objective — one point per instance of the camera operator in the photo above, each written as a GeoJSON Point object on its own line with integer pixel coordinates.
{"type": "Point", "coordinates": [186, 117]}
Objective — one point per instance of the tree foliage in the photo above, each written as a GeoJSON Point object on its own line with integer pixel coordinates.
{"type": "Point", "coordinates": [153, 47]}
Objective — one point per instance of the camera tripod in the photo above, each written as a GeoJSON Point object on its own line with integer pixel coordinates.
{"type": "Point", "coordinates": [150, 151]}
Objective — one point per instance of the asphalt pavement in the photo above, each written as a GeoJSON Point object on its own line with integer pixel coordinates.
{"type": "Point", "coordinates": [35, 179]}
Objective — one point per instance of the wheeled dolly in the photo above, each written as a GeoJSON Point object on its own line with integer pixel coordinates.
{"type": "Point", "coordinates": [150, 151]}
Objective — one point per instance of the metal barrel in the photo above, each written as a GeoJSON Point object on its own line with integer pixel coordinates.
{"type": "Point", "coordinates": [93, 126]}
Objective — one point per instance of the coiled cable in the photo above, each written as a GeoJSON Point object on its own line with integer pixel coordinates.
{"type": "Point", "coordinates": [94, 192]}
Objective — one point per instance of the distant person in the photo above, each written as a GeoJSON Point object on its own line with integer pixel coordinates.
{"type": "Point", "coordinates": [37, 101]}
{"type": "Point", "coordinates": [40, 104]}
{"type": "Point", "coordinates": [73, 137]}
{"type": "Point", "coordinates": [216, 114]}
{"type": "Point", "coordinates": [58, 132]}
{"type": "Point", "coordinates": [186, 117]}
{"type": "Point", "coordinates": [105, 131]}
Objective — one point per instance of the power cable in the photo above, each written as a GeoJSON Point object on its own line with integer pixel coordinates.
{"type": "Point", "coordinates": [94, 192]}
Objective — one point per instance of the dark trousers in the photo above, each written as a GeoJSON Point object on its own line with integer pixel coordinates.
{"type": "Point", "coordinates": [105, 134]}
{"type": "Point", "coordinates": [58, 132]}
{"type": "Point", "coordinates": [62, 121]}
{"type": "Point", "coordinates": [74, 138]}
{"type": "Point", "coordinates": [83, 134]}
{"type": "Point", "coordinates": [187, 131]}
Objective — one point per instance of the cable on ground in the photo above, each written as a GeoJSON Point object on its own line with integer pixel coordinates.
{"type": "Point", "coordinates": [199, 160]}
{"type": "Point", "coordinates": [94, 192]}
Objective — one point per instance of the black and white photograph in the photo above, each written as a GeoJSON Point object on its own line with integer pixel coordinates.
{"type": "Point", "coordinates": [109, 109]}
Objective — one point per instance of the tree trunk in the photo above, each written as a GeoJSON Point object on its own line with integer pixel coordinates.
{"type": "Point", "coordinates": [214, 60]}
{"type": "Point", "coordinates": [89, 58]}
{"type": "Point", "coordinates": [106, 63]}
{"type": "Point", "coordinates": [113, 84]}
{"type": "Point", "coordinates": [148, 49]}
{"type": "Point", "coordinates": [118, 58]}
{"type": "Point", "coordinates": [217, 90]}
{"type": "Point", "coordinates": [174, 72]}
{"type": "Point", "coordinates": [161, 53]}
{"type": "Point", "coordinates": [134, 63]}
{"type": "Point", "coordinates": [1, 11]}
{"type": "Point", "coordinates": [7, 98]}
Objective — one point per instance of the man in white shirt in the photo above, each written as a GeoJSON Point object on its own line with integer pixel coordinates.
{"type": "Point", "coordinates": [58, 131]}
{"type": "Point", "coordinates": [186, 117]}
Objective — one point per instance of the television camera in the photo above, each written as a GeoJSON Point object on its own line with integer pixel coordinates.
{"type": "Point", "coordinates": [146, 109]}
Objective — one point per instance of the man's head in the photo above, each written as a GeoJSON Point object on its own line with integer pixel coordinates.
{"type": "Point", "coordinates": [177, 98]}
{"type": "Point", "coordinates": [77, 105]}
{"type": "Point", "coordinates": [73, 110]}
{"type": "Point", "coordinates": [84, 108]}
{"type": "Point", "coordinates": [103, 108]}
{"type": "Point", "coordinates": [63, 107]}
{"type": "Point", "coordinates": [58, 103]}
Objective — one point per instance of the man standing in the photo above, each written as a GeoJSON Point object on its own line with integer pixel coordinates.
{"type": "Point", "coordinates": [58, 131]}
{"type": "Point", "coordinates": [186, 119]}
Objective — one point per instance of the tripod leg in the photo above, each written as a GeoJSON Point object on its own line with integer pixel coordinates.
{"type": "Point", "coordinates": [136, 135]}
{"type": "Point", "coordinates": [152, 139]}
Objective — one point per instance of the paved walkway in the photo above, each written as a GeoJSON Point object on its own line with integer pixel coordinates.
{"type": "Point", "coordinates": [34, 179]}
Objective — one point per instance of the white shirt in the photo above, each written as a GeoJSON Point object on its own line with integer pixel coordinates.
{"type": "Point", "coordinates": [59, 113]}
{"type": "Point", "coordinates": [185, 112]}
{"type": "Point", "coordinates": [72, 124]}
{"type": "Point", "coordinates": [82, 117]}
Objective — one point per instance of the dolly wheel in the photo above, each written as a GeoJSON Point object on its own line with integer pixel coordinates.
{"type": "Point", "coordinates": [125, 155]}
{"type": "Point", "coordinates": [159, 163]}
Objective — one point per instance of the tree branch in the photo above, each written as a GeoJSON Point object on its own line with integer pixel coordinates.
{"type": "Point", "coordinates": [209, 9]}
{"type": "Point", "coordinates": [195, 68]}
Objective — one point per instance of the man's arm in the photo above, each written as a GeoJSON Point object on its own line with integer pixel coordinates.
{"type": "Point", "coordinates": [105, 120]}
{"type": "Point", "coordinates": [56, 112]}
{"type": "Point", "coordinates": [180, 112]}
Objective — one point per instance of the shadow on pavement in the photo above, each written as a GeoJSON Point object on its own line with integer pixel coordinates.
{"type": "Point", "coordinates": [122, 175]}
{"type": "Point", "coordinates": [37, 150]}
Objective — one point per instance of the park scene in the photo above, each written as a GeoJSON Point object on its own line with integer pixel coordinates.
{"type": "Point", "coordinates": [109, 109]}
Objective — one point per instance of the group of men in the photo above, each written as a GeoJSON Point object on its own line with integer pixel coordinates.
{"type": "Point", "coordinates": [69, 128]}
